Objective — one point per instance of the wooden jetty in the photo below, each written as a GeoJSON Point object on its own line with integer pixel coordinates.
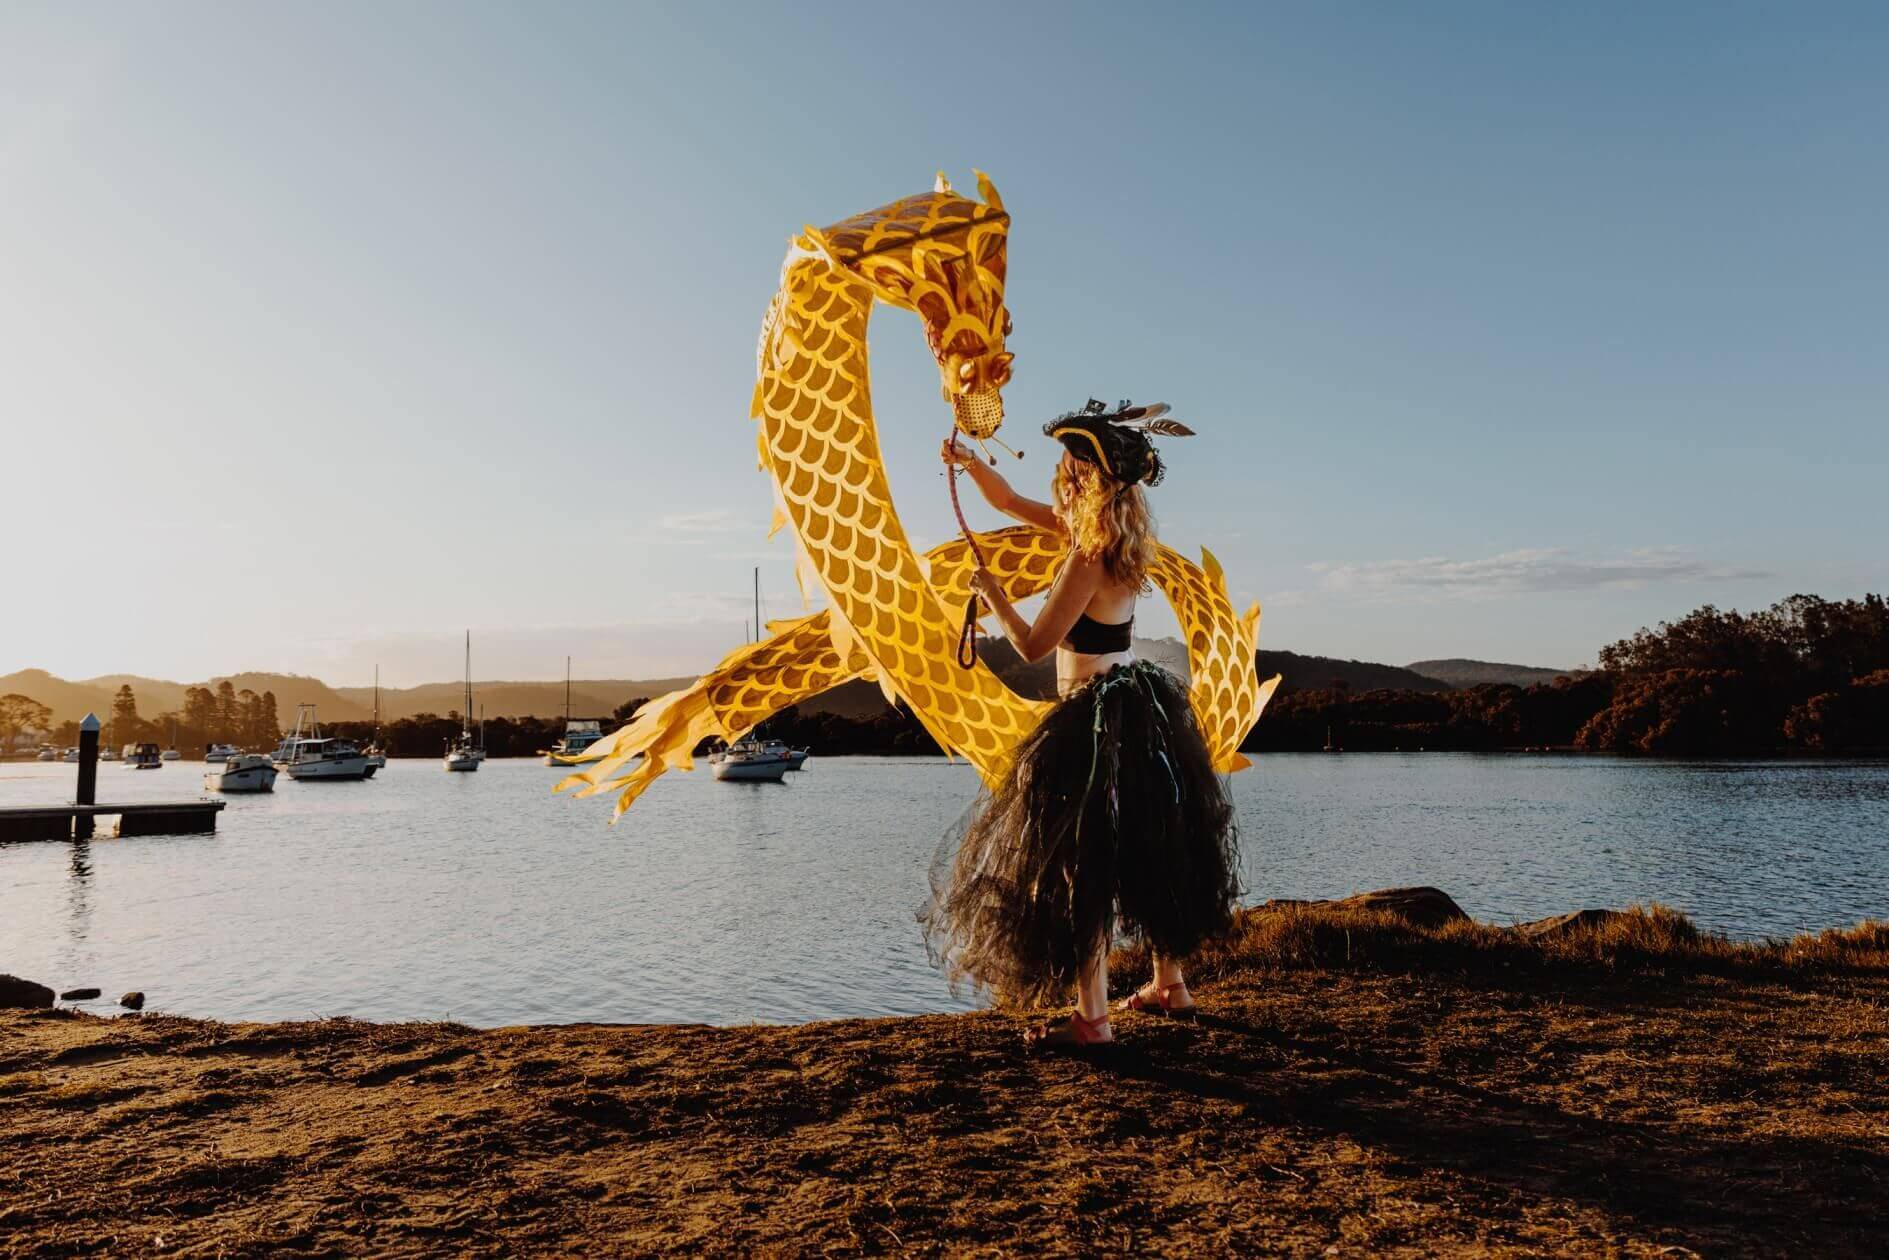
{"type": "Point", "coordinates": [77, 821]}
{"type": "Point", "coordinates": [62, 822]}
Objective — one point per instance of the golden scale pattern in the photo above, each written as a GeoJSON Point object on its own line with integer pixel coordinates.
{"type": "Point", "coordinates": [892, 615]}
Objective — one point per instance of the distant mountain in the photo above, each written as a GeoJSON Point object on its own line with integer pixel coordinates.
{"type": "Point", "coordinates": [589, 697]}
{"type": "Point", "coordinates": [71, 700]}
{"type": "Point", "coordinates": [1458, 672]}
{"type": "Point", "coordinates": [1315, 673]}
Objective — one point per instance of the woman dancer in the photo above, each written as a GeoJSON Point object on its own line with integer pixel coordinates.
{"type": "Point", "coordinates": [1111, 820]}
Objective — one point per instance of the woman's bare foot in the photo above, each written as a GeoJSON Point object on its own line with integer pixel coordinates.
{"type": "Point", "coordinates": [1071, 1031]}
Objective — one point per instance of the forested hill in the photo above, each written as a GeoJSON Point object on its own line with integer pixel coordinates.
{"type": "Point", "coordinates": [1458, 672]}
{"type": "Point", "coordinates": [1321, 672]}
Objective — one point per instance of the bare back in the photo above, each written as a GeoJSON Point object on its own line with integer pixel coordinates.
{"type": "Point", "coordinates": [1111, 604]}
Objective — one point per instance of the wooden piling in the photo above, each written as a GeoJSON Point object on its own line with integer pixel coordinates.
{"type": "Point", "coordinates": [88, 776]}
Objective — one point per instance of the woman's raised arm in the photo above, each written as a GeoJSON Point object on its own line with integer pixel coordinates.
{"type": "Point", "coordinates": [996, 491]}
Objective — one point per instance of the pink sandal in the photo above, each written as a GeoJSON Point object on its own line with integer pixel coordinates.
{"type": "Point", "coordinates": [1160, 1003]}
{"type": "Point", "coordinates": [1073, 1031]}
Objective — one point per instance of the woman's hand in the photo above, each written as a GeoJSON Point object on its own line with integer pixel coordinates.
{"type": "Point", "coordinates": [986, 587]}
{"type": "Point", "coordinates": [951, 453]}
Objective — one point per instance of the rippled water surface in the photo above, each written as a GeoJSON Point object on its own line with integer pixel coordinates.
{"type": "Point", "coordinates": [483, 898]}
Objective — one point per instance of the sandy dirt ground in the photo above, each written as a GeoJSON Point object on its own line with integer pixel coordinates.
{"type": "Point", "coordinates": [1329, 1104]}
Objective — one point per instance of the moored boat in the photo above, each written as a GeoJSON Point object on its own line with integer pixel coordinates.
{"type": "Point", "coordinates": [305, 754]}
{"type": "Point", "coordinates": [376, 755]}
{"type": "Point", "coordinates": [217, 754]}
{"type": "Point", "coordinates": [751, 761]}
{"type": "Point", "coordinates": [579, 733]}
{"type": "Point", "coordinates": [143, 757]}
{"type": "Point", "coordinates": [242, 772]}
{"type": "Point", "coordinates": [464, 754]}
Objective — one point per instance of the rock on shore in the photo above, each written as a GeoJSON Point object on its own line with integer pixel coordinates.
{"type": "Point", "coordinates": [18, 994]}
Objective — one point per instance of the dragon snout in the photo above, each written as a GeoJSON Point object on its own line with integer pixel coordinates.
{"type": "Point", "coordinates": [978, 413]}
{"type": "Point", "coordinates": [974, 385]}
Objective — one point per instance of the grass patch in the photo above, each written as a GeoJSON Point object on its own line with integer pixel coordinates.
{"type": "Point", "coordinates": [1331, 936]}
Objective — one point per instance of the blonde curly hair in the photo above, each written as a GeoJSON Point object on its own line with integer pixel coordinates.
{"type": "Point", "coordinates": [1106, 519]}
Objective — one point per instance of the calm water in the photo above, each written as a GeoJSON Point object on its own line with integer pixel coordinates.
{"type": "Point", "coordinates": [483, 898]}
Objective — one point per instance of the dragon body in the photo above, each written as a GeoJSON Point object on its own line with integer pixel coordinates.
{"type": "Point", "coordinates": [890, 615]}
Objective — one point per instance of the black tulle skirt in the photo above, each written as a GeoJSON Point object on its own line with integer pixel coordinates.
{"type": "Point", "coordinates": [1111, 824]}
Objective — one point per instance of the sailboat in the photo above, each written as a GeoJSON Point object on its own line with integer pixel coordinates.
{"type": "Point", "coordinates": [376, 755]}
{"type": "Point", "coordinates": [171, 753]}
{"type": "Point", "coordinates": [751, 760]}
{"type": "Point", "coordinates": [462, 753]}
{"type": "Point", "coordinates": [579, 733]}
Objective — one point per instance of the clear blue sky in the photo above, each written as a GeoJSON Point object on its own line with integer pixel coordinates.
{"type": "Point", "coordinates": [328, 330]}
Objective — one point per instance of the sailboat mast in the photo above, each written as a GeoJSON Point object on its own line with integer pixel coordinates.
{"type": "Point", "coordinates": [757, 603]}
{"type": "Point", "coordinates": [465, 727]}
{"type": "Point", "coordinates": [567, 693]}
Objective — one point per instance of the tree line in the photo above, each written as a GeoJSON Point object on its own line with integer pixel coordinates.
{"type": "Point", "coordinates": [1806, 674]}
{"type": "Point", "coordinates": [222, 715]}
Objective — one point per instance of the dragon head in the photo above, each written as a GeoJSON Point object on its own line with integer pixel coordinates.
{"type": "Point", "coordinates": [942, 256]}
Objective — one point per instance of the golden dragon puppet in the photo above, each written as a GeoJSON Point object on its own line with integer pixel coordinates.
{"type": "Point", "coordinates": [890, 611]}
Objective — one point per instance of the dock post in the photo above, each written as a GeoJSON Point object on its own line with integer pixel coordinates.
{"type": "Point", "coordinates": [88, 776]}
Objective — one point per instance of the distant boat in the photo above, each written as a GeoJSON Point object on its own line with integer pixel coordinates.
{"type": "Point", "coordinates": [579, 733]}
{"type": "Point", "coordinates": [751, 761]}
{"type": "Point", "coordinates": [47, 753]}
{"type": "Point", "coordinates": [217, 754]}
{"type": "Point", "coordinates": [376, 755]}
{"type": "Point", "coordinates": [171, 753]}
{"type": "Point", "coordinates": [462, 754]}
{"type": "Point", "coordinates": [304, 754]}
{"type": "Point", "coordinates": [108, 753]}
{"type": "Point", "coordinates": [243, 772]}
{"type": "Point", "coordinates": [70, 756]}
{"type": "Point", "coordinates": [143, 757]}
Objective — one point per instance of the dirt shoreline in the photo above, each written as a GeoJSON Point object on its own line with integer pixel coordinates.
{"type": "Point", "coordinates": [1357, 1085]}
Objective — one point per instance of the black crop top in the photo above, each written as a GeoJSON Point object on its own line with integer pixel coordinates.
{"type": "Point", "coordinates": [1095, 638]}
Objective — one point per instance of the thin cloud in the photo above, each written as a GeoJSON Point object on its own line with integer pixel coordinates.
{"type": "Point", "coordinates": [1527, 571]}
{"type": "Point", "coordinates": [715, 521]}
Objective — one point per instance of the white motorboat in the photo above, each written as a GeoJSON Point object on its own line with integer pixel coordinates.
{"type": "Point", "coordinates": [218, 754]}
{"type": "Point", "coordinates": [304, 754]}
{"type": "Point", "coordinates": [70, 756]}
{"type": "Point", "coordinates": [242, 772]}
{"type": "Point", "coordinates": [463, 753]}
{"type": "Point", "coordinates": [143, 757]}
{"type": "Point", "coordinates": [47, 753]}
{"type": "Point", "coordinates": [751, 761]}
{"type": "Point", "coordinates": [108, 753]}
